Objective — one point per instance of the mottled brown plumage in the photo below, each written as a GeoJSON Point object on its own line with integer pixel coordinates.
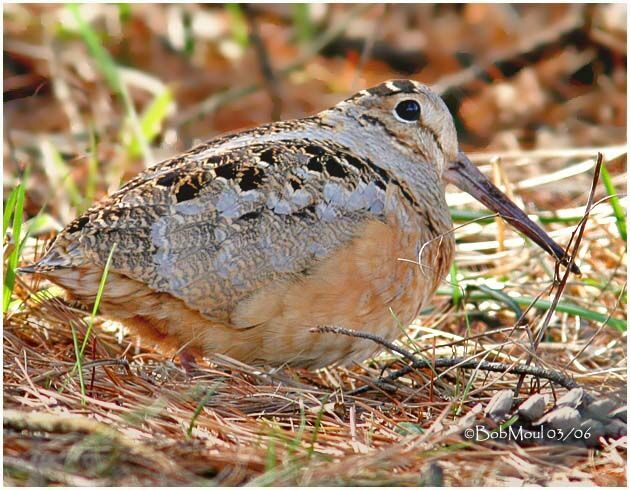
{"type": "Point", "coordinates": [245, 243]}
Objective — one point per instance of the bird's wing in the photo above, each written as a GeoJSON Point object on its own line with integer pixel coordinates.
{"type": "Point", "coordinates": [213, 230]}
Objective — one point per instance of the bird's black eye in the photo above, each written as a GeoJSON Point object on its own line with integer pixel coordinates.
{"type": "Point", "coordinates": [408, 110]}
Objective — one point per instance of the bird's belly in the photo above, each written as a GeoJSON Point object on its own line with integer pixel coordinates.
{"type": "Point", "coordinates": [375, 285]}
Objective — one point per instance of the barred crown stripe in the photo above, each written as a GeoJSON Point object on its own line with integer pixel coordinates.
{"type": "Point", "coordinates": [393, 87]}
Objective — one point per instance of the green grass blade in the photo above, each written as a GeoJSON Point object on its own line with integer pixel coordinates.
{"type": "Point", "coordinates": [151, 121]}
{"type": "Point", "coordinates": [238, 24]}
{"type": "Point", "coordinates": [104, 61]}
{"type": "Point", "coordinates": [9, 276]}
{"type": "Point", "coordinates": [77, 353]}
{"type": "Point", "coordinates": [124, 12]}
{"type": "Point", "coordinates": [457, 292]}
{"type": "Point", "coordinates": [316, 426]}
{"type": "Point", "coordinates": [99, 297]}
{"type": "Point", "coordinates": [500, 296]}
{"type": "Point", "coordinates": [189, 35]}
{"type": "Point", "coordinates": [110, 71]}
{"type": "Point", "coordinates": [206, 398]}
{"type": "Point", "coordinates": [484, 217]}
{"type": "Point", "coordinates": [618, 211]}
{"type": "Point", "coordinates": [541, 304]}
{"type": "Point", "coordinates": [19, 242]}
{"type": "Point", "coordinates": [42, 222]}
{"type": "Point", "coordinates": [302, 22]}
{"type": "Point", "coordinates": [9, 208]}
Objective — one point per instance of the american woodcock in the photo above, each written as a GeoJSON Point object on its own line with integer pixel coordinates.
{"type": "Point", "coordinates": [243, 244]}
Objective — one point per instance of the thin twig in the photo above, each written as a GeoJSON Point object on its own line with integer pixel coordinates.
{"type": "Point", "coordinates": [268, 73]}
{"type": "Point", "coordinates": [54, 373]}
{"type": "Point", "coordinates": [416, 363]}
{"type": "Point", "coordinates": [578, 234]}
{"type": "Point", "coordinates": [565, 277]}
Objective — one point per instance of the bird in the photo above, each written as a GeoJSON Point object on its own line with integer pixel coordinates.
{"type": "Point", "coordinates": [245, 244]}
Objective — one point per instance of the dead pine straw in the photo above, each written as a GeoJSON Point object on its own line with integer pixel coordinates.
{"type": "Point", "coordinates": [535, 98]}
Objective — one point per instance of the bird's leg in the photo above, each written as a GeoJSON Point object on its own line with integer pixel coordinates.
{"type": "Point", "coordinates": [188, 362]}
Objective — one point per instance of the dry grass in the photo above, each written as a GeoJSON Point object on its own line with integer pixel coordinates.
{"type": "Point", "coordinates": [143, 421]}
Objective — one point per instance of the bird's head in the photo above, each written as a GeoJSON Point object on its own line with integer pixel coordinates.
{"type": "Point", "coordinates": [416, 120]}
{"type": "Point", "coordinates": [411, 117]}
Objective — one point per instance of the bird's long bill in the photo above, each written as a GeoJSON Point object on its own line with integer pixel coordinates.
{"type": "Point", "coordinates": [465, 175]}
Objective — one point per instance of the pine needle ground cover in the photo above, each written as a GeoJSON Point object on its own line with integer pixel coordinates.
{"type": "Point", "coordinates": [94, 93]}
